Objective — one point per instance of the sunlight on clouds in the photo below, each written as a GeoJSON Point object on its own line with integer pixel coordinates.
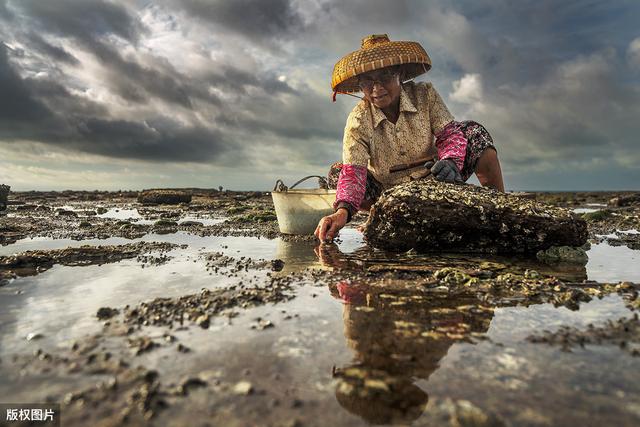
{"type": "Point", "coordinates": [633, 53]}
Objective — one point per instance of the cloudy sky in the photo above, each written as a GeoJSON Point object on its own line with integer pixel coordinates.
{"type": "Point", "coordinates": [117, 94]}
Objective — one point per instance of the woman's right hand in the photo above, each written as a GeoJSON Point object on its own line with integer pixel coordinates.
{"type": "Point", "coordinates": [329, 226]}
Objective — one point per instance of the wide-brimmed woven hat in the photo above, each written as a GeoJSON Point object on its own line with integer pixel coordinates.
{"type": "Point", "coordinates": [377, 52]}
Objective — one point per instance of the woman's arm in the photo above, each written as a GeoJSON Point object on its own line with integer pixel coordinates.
{"type": "Point", "coordinates": [352, 183]}
{"type": "Point", "coordinates": [452, 144]}
{"type": "Point", "coordinates": [450, 140]}
{"type": "Point", "coordinates": [352, 180]}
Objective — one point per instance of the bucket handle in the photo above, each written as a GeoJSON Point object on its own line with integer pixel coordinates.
{"type": "Point", "coordinates": [322, 183]}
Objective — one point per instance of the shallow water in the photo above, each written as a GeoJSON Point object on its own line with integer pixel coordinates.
{"type": "Point", "coordinates": [319, 354]}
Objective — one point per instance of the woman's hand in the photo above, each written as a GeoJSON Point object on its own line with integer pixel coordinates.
{"type": "Point", "coordinates": [444, 170]}
{"type": "Point", "coordinates": [329, 226]}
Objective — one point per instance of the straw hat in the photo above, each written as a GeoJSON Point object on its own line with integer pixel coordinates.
{"type": "Point", "coordinates": [377, 52]}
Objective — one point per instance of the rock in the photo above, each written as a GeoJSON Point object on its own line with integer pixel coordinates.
{"type": "Point", "coordinates": [243, 388]}
{"type": "Point", "coordinates": [596, 216]}
{"type": "Point", "coordinates": [165, 223]}
{"type": "Point", "coordinates": [4, 196]}
{"type": "Point", "coordinates": [106, 313]}
{"type": "Point", "coordinates": [277, 265]}
{"type": "Point", "coordinates": [65, 212]}
{"type": "Point", "coordinates": [203, 321]}
{"type": "Point", "coordinates": [101, 210]}
{"type": "Point", "coordinates": [428, 215]}
{"type": "Point", "coordinates": [189, 384]}
{"type": "Point", "coordinates": [183, 348]}
{"type": "Point", "coordinates": [191, 224]}
{"type": "Point", "coordinates": [563, 254]}
{"type": "Point", "coordinates": [164, 197]}
{"type": "Point", "coordinates": [625, 200]}
{"type": "Point", "coordinates": [32, 336]}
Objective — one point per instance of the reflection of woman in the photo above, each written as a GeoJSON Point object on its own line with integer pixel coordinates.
{"type": "Point", "coordinates": [397, 122]}
{"type": "Point", "coordinates": [397, 335]}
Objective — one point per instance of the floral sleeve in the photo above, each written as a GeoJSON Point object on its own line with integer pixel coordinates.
{"type": "Point", "coordinates": [352, 184]}
{"type": "Point", "coordinates": [452, 144]}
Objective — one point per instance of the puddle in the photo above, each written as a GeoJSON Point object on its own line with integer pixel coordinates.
{"type": "Point", "coordinates": [585, 210]}
{"type": "Point", "coordinates": [613, 263]}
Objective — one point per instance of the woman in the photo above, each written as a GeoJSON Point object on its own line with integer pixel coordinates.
{"type": "Point", "coordinates": [398, 121]}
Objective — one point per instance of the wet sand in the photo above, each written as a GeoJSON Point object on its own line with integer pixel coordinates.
{"type": "Point", "coordinates": [130, 314]}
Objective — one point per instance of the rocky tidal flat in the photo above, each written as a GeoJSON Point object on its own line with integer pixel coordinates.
{"type": "Point", "coordinates": [170, 307]}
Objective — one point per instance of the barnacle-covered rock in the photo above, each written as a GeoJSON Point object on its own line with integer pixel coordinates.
{"type": "Point", "coordinates": [427, 215]}
{"type": "Point", "coordinates": [164, 197]}
{"type": "Point", "coordinates": [563, 254]}
{"type": "Point", "coordinates": [4, 195]}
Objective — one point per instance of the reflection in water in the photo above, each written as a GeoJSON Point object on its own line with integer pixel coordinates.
{"type": "Point", "coordinates": [366, 258]}
{"type": "Point", "coordinates": [398, 335]}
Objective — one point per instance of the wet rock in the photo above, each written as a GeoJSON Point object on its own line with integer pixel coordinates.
{"type": "Point", "coordinates": [33, 262]}
{"type": "Point", "coordinates": [4, 196]}
{"type": "Point", "coordinates": [65, 212]}
{"type": "Point", "coordinates": [166, 223]}
{"type": "Point", "coordinates": [191, 224]}
{"type": "Point", "coordinates": [101, 210]}
{"type": "Point", "coordinates": [190, 384]}
{"type": "Point", "coordinates": [277, 265]}
{"type": "Point", "coordinates": [243, 388]}
{"type": "Point", "coordinates": [625, 200]}
{"type": "Point", "coordinates": [427, 215]}
{"type": "Point", "coordinates": [183, 349]}
{"type": "Point", "coordinates": [164, 197]}
{"type": "Point", "coordinates": [142, 344]}
{"type": "Point", "coordinates": [624, 333]}
{"type": "Point", "coordinates": [563, 254]}
{"type": "Point", "coordinates": [597, 215]}
{"type": "Point", "coordinates": [106, 313]}
{"type": "Point", "coordinates": [262, 324]}
{"type": "Point", "coordinates": [32, 336]}
{"type": "Point", "coordinates": [203, 321]}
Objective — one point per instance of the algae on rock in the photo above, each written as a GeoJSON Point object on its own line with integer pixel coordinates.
{"type": "Point", "coordinates": [4, 195]}
{"type": "Point", "coordinates": [428, 215]}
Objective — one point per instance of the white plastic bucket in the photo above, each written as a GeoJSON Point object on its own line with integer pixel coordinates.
{"type": "Point", "coordinates": [300, 210]}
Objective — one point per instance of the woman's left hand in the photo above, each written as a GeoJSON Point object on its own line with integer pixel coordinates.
{"type": "Point", "coordinates": [444, 170]}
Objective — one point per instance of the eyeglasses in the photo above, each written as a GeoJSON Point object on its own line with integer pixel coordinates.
{"type": "Point", "coordinates": [384, 78]}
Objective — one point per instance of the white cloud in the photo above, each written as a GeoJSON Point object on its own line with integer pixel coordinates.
{"type": "Point", "coordinates": [633, 53]}
{"type": "Point", "coordinates": [468, 89]}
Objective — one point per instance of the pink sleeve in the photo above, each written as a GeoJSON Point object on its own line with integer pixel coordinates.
{"type": "Point", "coordinates": [452, 144]}
{"type": "Point", "coordinates": [352, 183]}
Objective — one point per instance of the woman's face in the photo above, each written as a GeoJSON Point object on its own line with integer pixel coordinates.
{"type": "Point", "coordinates": [381, 87]}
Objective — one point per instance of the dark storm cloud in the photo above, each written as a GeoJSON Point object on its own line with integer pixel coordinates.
{"type": "Point", "coordinates": [258, 20]}
{"type": "Point", "coordinates": [128, 74]}
{"type": "Point", "coordinates": [24, 115]}
{"type": "Point", "coordinates": [17, 102]}
{"type": "Point", "coordinates": [81, 19]}
{"type": "Point", "coordinates": [54, 52]}
{"type": "Point", "coordinates": [232, 78]}
{"type": "Point", "coordinates": [155, 140]}
{"type": "Point", "coordinates": [5, 14]}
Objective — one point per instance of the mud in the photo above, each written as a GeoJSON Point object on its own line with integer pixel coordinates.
{"type": "Point", "coordinates": [233, 328]}
{"type": "Point", "coordinates": [428, 216]}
